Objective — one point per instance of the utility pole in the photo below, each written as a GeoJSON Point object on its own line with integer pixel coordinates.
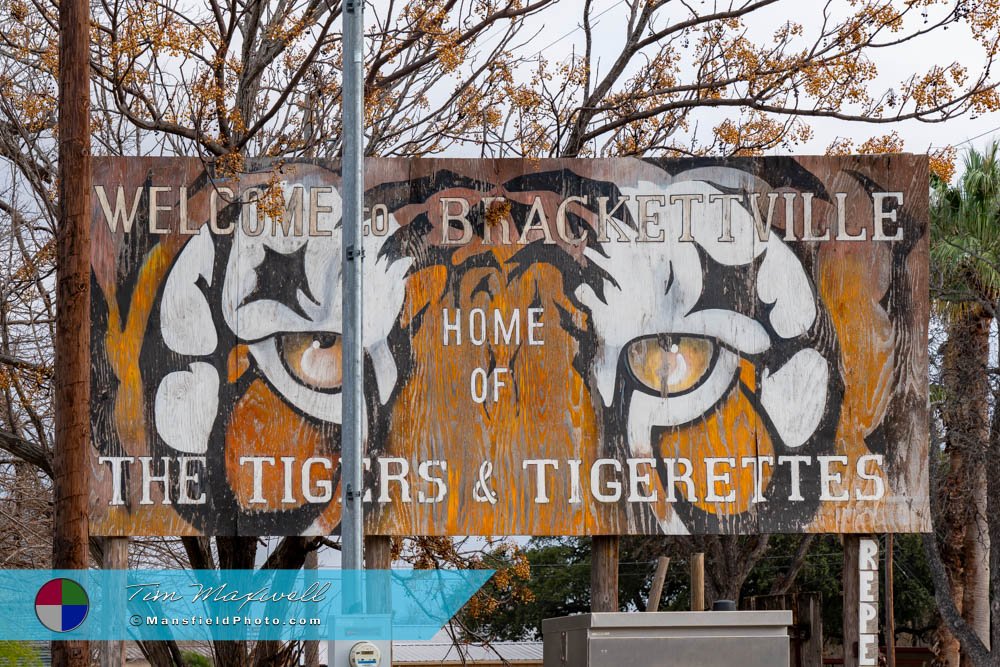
{"type": "Point", "coordinates": [70, 529]}
{"type": "Point", "coordinates": [352, 170]}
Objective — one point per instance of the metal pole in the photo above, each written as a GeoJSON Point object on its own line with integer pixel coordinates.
{"type": "Point", "coordinates": [352, 168]}
{"type": "Point", "coordinates": [70, 528]}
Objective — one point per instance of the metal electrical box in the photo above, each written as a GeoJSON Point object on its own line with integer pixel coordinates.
{"type": "Point", "coordinates": [364, 640]}
{"type": "Point", "coordinates": [668, 639]}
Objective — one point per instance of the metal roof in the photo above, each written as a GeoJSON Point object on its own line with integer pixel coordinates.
{"type": "Point", "coordinates": [449, 653]}
{"type": "Point", "coordinates": [443, 653]}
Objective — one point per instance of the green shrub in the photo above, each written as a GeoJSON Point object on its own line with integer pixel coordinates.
{"type": "Point", "coordinates": [192, 659]}
{"type": "Point", "coordinates": [20, 654]}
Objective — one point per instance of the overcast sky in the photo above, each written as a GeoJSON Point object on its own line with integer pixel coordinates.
{"type": "Point", "coordinates": [559, 34]}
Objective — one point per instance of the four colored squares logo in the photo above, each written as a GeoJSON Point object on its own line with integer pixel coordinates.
{"type": "Point", "coordinates": [61, 605]}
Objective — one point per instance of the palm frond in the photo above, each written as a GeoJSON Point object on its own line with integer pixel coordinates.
{"type": "Point", "coordinates": [965, 232]}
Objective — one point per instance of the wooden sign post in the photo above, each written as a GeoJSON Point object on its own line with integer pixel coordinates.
{"type": "Point", "coordinates": [698, 582]}
{"type": "Point", "coordinates": [850, 580]}
{"type": "Point", "coordinates": [890, 618]}
{"type": "Point", "coordinates": [604, 573]}
{"type": "Point", "coordinates": [114, 556]}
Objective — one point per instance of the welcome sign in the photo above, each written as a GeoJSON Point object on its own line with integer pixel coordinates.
{"type": "Point", "coordinates": [552, 347]}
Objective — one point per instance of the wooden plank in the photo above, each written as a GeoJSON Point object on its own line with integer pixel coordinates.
{"type": "Point", "coordinates": [604, 574]}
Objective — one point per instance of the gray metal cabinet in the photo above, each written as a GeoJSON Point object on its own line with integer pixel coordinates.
{"type": "Point", "coordinates": [668, 639]}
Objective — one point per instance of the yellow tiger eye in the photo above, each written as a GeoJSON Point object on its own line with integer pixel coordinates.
{"type": "Point", "coordinates": [313, 359]}
{"type": "Point", "coordinates": [670, 364]}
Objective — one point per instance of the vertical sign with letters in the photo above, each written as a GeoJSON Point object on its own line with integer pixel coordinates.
{"type": "Point", "coordinates": [868, 602]}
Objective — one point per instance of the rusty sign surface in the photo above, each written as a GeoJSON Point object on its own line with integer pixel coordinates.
{"type": "Point", "coordinates": [552, 347]}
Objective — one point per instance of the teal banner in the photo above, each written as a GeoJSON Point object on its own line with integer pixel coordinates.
{"type": "Point", "coordinates": [187, 605]}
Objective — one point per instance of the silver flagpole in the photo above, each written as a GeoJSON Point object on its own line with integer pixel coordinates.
{"type": "Point", "coordinates": [353, 193]}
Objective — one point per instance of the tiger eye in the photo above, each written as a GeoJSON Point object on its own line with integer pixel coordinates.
{"type": "Point", "coordinates": [313, 359]}
{"type": "Point", "coordinates": [668, 365]}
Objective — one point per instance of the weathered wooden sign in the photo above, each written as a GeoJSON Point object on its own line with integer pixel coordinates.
{"type": "Point", "coordinates": [552, 347]}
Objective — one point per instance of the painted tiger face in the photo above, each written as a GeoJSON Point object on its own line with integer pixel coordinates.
{"type": "Point", "coordinates": [706, 369]}
{"type": "Point", "coordinates": [714, 349]}
{"type": "Point", "coordinates": [271, 298]}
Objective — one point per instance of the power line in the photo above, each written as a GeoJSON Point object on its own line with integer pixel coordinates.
{"type": "Point", "coordinates": [970, 139]}
{"type": "Point", "coordinates": [995, 129]}
{"type": "Point", "coordinates": [577, 28]}
{"type": "Point", "coordinates": [587, 564]}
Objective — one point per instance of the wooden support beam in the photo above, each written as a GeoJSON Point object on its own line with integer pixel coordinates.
{"type": "Point", "coordinates": [890, 617]}
{"type": "Point", "coordinates": [378, 552]}
{"type": "Point", "coordinates": [378, 556]}
{"type": "Point", "coordinates": [698, 582]}
{"type": "Point", "coordinates": [656, 589]}
{"type": "Point", "coordinates": [812, 649]}
{"type": "Point", "coordinates": [310, 648]}
{"type": "Point", "coordinates": [604, 573]}
{"type": "Point", "coordinates": [114, 557]}
{"type": "Point", "coordinates": [851, 588]}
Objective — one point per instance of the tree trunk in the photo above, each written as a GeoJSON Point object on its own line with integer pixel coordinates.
{"type": "Point", "coordinates": [962, 496]}
{"type": "Point", "coordinates": [161, 653]}
{"type": "Point", "coordinates": [728, 562]}
{"type": "Point", "coordinates": [235, 553]}
{"type": "Point", "coordinates": [976, 552]}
